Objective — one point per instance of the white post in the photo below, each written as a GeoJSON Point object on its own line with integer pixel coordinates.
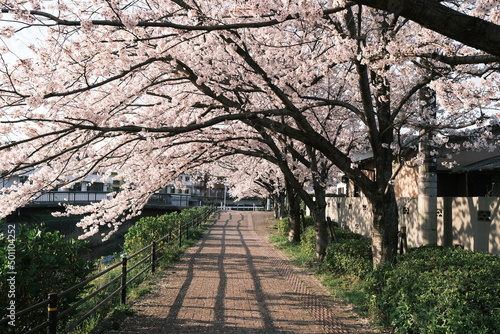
{"type": "Point", "coordinates": [225, 190]}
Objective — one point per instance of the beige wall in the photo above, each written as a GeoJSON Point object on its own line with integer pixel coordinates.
{"type": "Point", "coordinates": [406, 182]}
{"type": "Point", "coordinates": [471, 222]}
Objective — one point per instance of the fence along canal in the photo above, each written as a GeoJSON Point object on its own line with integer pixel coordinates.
{"type": "Point", "coordinates": [148, 255]}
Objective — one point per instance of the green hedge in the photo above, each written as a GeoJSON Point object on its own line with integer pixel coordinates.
{"type": "Point", "coordinates": [350, 254]}
{"type": "Point", "coordinates": [283, 226]}
{"type": "Point", "coordinates": [149, 229]}
{"type": "Point", "coordinates": [308, 241]}
{"type": "Point", "coordinates": [438, 290]}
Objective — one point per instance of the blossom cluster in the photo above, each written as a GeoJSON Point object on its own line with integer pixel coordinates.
{"type": "Point", "coordinates": [249, 91]}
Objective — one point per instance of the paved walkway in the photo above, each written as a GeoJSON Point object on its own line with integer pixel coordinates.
{"type": "Point", "coordinates": [233, 281]}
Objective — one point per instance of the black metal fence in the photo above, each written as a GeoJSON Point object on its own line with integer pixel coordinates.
{"type": "Point", "coordinates": [148, 255]}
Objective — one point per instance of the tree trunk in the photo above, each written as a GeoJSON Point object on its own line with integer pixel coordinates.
{"type": "Point", "coordinates": [279, 205]}
{"type": "Point", "coordinates": [384, 230]}
{"type": "Point", "coordinates": [294, 223]}
{"type": "Point", "coordinates": [320, 225]}
{"type": "Point", "coordinates": [322, 236]}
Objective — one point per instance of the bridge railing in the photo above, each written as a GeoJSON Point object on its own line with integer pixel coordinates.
{"type": "Point", "coordinates": [253, 207]}
{"type": "Point", "coordinates": [55, 198]}
{"type": "Point", "coordinates": [71, 197]}
{"type": "Point", "coordinates": [87, 197]}
{"type": "Point", "coordinates": [179, 200]}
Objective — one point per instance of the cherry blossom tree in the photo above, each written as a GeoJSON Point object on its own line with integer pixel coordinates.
{"type": "Point", "coordinates": [150, 89]}
{"type": "Point", "coordinates": [304, 170]}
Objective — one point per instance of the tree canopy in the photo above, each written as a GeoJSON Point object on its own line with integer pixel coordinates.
{"type": "Point", "coordinates": [149, 89]}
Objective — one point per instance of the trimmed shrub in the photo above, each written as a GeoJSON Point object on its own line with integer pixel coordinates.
{"type": "Point", "coordinates": [342, 234]}
{"type": "Point", "coordinates": [149, 229]}
{"type": "Point", "coordinates": [308, 241]}
{"type": "Point", "coordinates": [349, 254]}
{"type": "Point", "coordinates": [283, 227]}
{"type": "Point", "coordinates": [438, 290]}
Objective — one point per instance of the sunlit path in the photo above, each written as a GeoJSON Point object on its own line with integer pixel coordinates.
{"type": "Point", "coordinates": [233, 281]}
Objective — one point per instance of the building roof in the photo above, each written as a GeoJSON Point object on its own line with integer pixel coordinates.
{"type": "Point", "coordinates": [490, 164]}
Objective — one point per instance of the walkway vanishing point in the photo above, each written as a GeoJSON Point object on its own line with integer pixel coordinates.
{"type": "Point", "coordinates": [234, 281]}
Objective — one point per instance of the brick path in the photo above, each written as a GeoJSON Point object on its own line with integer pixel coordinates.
{"type": "Point", "coordinates": [233, 281]}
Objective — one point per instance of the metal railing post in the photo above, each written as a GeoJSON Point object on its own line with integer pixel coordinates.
{"type": "Point", "coordinates": [403, 243]}
{"type": "Point", "coordinates": [180, 234]}
{"type": "Point", "coordinates": [153, 257]}
{"type": "Point", "coordinates": [124, 280]}
{"type": "Point", "coordinates": [52, 313]}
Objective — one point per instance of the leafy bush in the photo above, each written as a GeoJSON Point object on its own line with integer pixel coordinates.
{"type": "Point", "coordinates": [283, 226]}
{"type": "Point", "coordinates": [43, 262]}
{"type": "Point", "coordinates": [438, 290]}
{"type": "Point", "coordinates": [149, 229]}
{"type": "Point", "coordinates": [307, 221]}
{"type": "Point", "coordinates": [193, 214]}
{"type": "Point", "coordinates": [349, 254]}
{"type": "Point", "coordinates": [308, 241]}
{"type": "Point", "coordinates": [342, 234]}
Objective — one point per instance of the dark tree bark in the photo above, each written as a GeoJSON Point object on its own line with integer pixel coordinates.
{"type": "Point", "coordinates": [320, 225]}
{"type": "Point", "coordinates": [279, 206]}
{"type": "Point", "coordinates": [384, 230]}
{"type": "Point", "coordinates": [319, 171]}
{"type": "Point", "coordinates": [431, 14]}
{"type": "Point", "coordinates": [295, 226]}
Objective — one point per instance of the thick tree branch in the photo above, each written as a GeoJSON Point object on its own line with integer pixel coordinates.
{"type": "Point", "coordinates": [431, 14]}
{"type": "Point", "coordinates": [461, 60]}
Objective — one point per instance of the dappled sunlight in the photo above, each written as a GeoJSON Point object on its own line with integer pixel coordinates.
{"type": "Point", "coordinates": [467, 222]}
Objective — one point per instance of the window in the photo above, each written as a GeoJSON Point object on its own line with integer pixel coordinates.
{"type": "Point", "coordinates": [76, 187]}
{"type": "Point", "coordinates": [186, 191]}
{"type": "Point", "coordinates": [23, 178]}
{"type": "Point", "coordinates": [95, 187]}
{"type": "Point", "coordinates": [172, 190]}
